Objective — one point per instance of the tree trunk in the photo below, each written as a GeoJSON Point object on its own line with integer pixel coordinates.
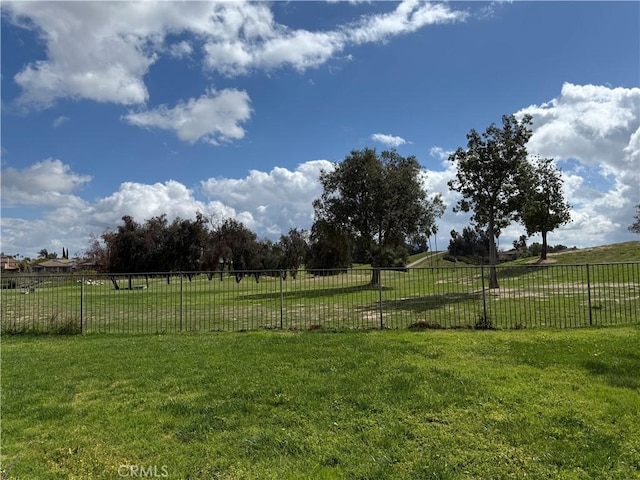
{"type": "Point", "coordinates": [375, 277]}
{"type": "Point", "coordinates": [493, 259]}
{"type": "Point", "coordinates": [543, 253]}
{"type": "Point", "coordinates": [115, 283]}
{"type": "Point", "coordinates": [130, 282]}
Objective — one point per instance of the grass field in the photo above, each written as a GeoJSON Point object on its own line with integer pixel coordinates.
{"type": "Point", "coordinates": [559, 293]}
{"type": "Point", "coordinates": [437, 404]}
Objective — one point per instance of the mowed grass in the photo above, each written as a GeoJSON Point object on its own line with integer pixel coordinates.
{"type": "Point", "coordinates": [435, 404]}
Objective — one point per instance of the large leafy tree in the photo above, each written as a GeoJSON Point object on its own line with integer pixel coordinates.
{"type": "Point", "coordinates": [294, 248]}
{"type": "Point", "coordinates": [235, 244]}
{"type": "Point", "coordinates": [329, 250]}
{"type": "Point", "coordinates": [377, 201]}
{"type": "Point", "coordinates": [490, 176]}
{"type": "Point", "coordinates": [544, 208]}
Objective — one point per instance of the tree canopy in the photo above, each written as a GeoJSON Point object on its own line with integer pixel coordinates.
{"type": "Point", "coordinates": [187, 245]}
{"type": "Point", "coordinates": [544, 208]}
{"type": "Point", "coordinates": [491, 178]}
{"type": "Point", "coordinates": [375, 202]}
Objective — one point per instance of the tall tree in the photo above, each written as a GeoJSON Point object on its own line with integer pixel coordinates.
{"type": "Point", "coordinates": [294, 247]}
{"type": "Point", "coordinates": [635, 226]}
{"type": "Point", "coordinates": [490, 178]}
{"type": "Point", "coordinates": [329, 250]}
{"type": "Point", "coordinates": [544, 208]}
{"type": "Point", "coordinates": [378, 201]}
{"type": "Point", "coordinates": [427, 225]}
{"type": "Point", "coordinates": [237, 245]}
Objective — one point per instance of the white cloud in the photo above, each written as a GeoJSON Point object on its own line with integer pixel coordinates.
{"type": "Point", "coordinates": [46, 183]}
{"type": "Point", "coordinates": [598, 126]}
{"type": "Point", "coordinates": [277, 200]}
{"type": "Point", "coordinates": [60, 120]}
{"type": "Point", "coordinates": [409, 16]}
{"type": "Point", "coordinates": [214, 117]}
{"type": "Point", "coordinates": [102, 51]}
{"type": "Point", "coordinates": [142, 201]}
{"type": "Point", "coordinates": [181, 49]}
{"type": "Point", "coordinates": [269, 203]}
{"type": "Point", "coordinates": [390, 140]}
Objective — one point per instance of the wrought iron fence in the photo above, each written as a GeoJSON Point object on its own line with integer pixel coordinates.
{"type": "Point", "coordinates": [558, 296]}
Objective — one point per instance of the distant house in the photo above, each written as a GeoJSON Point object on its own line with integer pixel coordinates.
{"type": "Point", "coordinates": [507, 256]}
{"type": "Point", "coordinates": [9, 264]}
{"type": "Point", "coordinates": [55, 265]}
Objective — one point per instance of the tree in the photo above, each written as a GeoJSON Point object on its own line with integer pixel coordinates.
{"type": "Point", "coordinates": [544, 208]}
{"type": "Point", "coordinates": [236, 245]}
{"type": "Point", "coordinates": [473, 244]}
{"type": "Point", "coordinates": [47, 255]}
{"type": "Point", "coordinates": [377, 202]}
{"type": "Point", "coordinates": [294, 247]}
{"type": "Point", "coordinates": [329, 250]}
{"type": "Point", "coordinates": [635, 226]}
{"type": "Point", "coordinates": [490, 178]}
{"type": "Point", "coordinates": [427, 225]}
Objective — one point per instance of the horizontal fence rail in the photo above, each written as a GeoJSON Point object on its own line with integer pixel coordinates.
{"type": "Point", "coordinates": [558, 296]}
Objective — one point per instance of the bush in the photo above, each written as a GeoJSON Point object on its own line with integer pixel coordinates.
{"type": "Point", "coordinates": [483, 323]}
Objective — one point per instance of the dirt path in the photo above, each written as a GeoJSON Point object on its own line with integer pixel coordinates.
{"type": "Point", "coordinates": [421, 260]}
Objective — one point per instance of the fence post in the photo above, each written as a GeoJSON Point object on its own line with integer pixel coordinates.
{"type": "Point", "coordinates": [181, 290]}
{"type": "Point", "coordinates": [589, 297]}
{"type": "Point", "coordinates": [81, 302]}
{"type": "Point", "coordinates": [281, 298]}
{"type": "Point", "coordinates": [380, 298]}
{"type": "Point", "coordinates": [484, 295]}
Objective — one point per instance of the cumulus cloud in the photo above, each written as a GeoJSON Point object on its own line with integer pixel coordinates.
{"type": "Point", "coordinates": [277, 200]}
{"type": "Point", "coordinates": [46, 183]}
{"type": "Point", "coordinates": [390, 140]}
{"type": "Point", "coordinates": [599, 128]}
{"type": "Point", "coordinates": [214, 117]}
{"type": "Point", "coordinates": [102, 50]}
{"type": "Point", "coordinates": [269, 203]}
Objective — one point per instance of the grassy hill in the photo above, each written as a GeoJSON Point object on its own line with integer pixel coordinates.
{"type": "Point", "coordinates": [614, 253]}
{"type": "Point", "coordinates": [617, 252]}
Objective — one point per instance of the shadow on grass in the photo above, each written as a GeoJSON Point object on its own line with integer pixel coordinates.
{"type": "Point", "coordinates": [430, 302]}
{"type": "Point", "coordinates": [623, 371]}
{"type": "Point", "coordinates": [516, 271]}
{"type": "Point", "coordinates": [315, 292]}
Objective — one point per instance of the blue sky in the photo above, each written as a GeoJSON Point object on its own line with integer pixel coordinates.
{"type": "Point", "coordinates": [232, 109]}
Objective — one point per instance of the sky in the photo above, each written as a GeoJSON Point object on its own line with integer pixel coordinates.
{"type": "Point", "coordinates": [233, 109]}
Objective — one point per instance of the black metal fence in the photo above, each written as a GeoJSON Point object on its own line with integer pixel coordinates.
{"type": "Point", "coordinates": [558, 296]}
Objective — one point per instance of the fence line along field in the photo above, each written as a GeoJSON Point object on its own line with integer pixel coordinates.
{"type": "Point", "coordinates": [444, 295]}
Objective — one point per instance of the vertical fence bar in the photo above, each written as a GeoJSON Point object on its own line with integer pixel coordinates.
{"type": "Point", "coordinates": [380, 298]}
{"type": "Point", "coordinates": [81, 302]}
{"type": "Point", "coordinates": [181, 300]}
{"type": "Point", "coordinates": [280, 274]}
{"type": "Point", "coordinates": [484, 294]}
{"type": "Point", "coordinates": [589, 296]}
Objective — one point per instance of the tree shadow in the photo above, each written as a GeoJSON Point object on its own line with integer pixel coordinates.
{"type": "Point", "coordinates": [315, 292]}
{"type": "Point", "coordinates": [623, 371]}
{"type": "Point", "coordinates": [430, 302]}
{"type": "Point", "coordinates": [517, 270]}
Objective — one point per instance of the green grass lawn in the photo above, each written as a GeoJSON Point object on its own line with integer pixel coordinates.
{"type": "Point", "coordinates": [380, 404]}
